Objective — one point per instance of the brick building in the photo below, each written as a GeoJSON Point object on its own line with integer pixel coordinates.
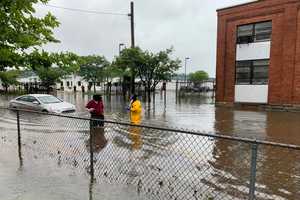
{"type": "Point", "coordinates": [258, 53]}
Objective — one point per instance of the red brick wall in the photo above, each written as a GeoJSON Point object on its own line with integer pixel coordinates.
{"type": "Point", "coordinates": [296, 96]}
{"type": "Point", "coordinates": [284, 71]}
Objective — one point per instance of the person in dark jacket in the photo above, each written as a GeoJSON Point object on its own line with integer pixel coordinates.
{"type": "Point", "coordinates": [96, 108]}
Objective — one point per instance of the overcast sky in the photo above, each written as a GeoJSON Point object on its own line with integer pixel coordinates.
{"type": "Point", "coordinates": [189, 26]}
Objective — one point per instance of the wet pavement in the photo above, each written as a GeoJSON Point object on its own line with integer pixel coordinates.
{"type": "Point", "coordinates": [36, 181]}
{"type": "Point", "coordinates": [152, 157]}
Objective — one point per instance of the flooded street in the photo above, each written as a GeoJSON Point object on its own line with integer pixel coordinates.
{"type": "Point", "coordinates": [200, 114]}
{"type": "Point", "coordinates": [156, 163]}
{"type": "Point", "coordinates": [42, 179]}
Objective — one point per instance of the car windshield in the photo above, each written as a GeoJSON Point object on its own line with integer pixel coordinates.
{"type": "Point", "coordinates": [49, 99]}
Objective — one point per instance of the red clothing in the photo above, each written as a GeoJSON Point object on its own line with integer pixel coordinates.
{"type": "Point", "coordinates": [98, 106]}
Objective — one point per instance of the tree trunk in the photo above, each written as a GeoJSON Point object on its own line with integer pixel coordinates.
{"type": "Point", "coordinates": [110, 85]}
{"type": "Point", "coordinates": [132, 83]}
{"type": "Point", "coordinates": [94, 87]}
{"type": "Point", "coordinates": [165, 98]}
{"type": "Point", "coordinates": [123, 89]}
{"type": "Point", "coordinates": [153, 97]}
{"type": "Point", "coordinates": [149, 93]}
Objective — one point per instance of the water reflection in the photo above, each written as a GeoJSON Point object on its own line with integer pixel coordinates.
{"type": "Point", "coordinates": [135, 136]}
{"type": "Point", "coordinates": [99, 140]}
{"type": "Point", "coordinates": [278, 169]}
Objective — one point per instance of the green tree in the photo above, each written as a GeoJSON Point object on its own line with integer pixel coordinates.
{"type": "Point", "coordinates": [20, 31]}
{"type": "Point", "coordinates": [9, 78]}
{"type": "Point", "coordinates": [92, 68]}
{"type": "Point", "coordinates": [151, 68]}
{"type": "Point", "coordinates": [51, 67]}
{"type": "Point", "coordinates": [68, 62]}
{"type": "Point", "coordinates": [198, 76]}
{"type": "Point", "coordinates": [127, 63]}
{"type": "Point", "coordinates": [156, 68]}
{"type": "Point", "coordinates": [49, 76]}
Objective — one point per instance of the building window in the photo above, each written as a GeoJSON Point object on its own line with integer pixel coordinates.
{"type": "Point", "coordinates": [257, 32]}
{"type": "Point", "coordinates": [62, 84]}
{"type": "Point", "coordinates": [263, 31]}
{"type": "Point", "coordinates": [68, 84]}
{"type": "Point", "coordinates": [243, 72]}
{"type": "Point", "coordinates": [79, 83]}
{"type": "Point", "coordinates": [260, 72]}
{"type": "Point", "coordinates": [252, 72]}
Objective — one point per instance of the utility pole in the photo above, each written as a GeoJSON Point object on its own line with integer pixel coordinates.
{"type": "Point", "coordinates": [131, 15]}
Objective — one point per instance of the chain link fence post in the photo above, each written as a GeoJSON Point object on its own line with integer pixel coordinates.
{"type": "Point", "coordinates": [253, 171]}
{"type": "Point", "coordinates": [91, 151]}
{"type": "Point", "coordinates": [19, 138]}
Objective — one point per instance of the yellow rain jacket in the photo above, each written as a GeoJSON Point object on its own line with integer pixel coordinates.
{"type": "Point", "coordinates": [135, 112]}
{"type": "Point", "coordinates": [135, 118]}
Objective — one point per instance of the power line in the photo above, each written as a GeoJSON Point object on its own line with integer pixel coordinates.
{"type": "Point", "coordinates": [86, 11]}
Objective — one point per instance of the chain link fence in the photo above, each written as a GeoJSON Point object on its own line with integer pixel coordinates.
{"type": "Point", "coordinates": [161, 163]}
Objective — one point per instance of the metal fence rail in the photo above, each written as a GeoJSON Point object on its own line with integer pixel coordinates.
{"type": "Point", "coordinates": [162, 163]}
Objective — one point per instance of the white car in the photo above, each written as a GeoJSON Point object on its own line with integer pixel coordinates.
{"type": "Point", "coordinates": [43, 103]}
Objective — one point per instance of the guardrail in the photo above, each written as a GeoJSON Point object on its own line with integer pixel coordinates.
{"type": "Point", "coordinates": [160, 162]}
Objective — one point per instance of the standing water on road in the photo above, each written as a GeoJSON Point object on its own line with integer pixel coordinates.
{"type": "Point", "coordinates": [197, 113]}
{"type": "Point", "coordinates": [219, 165]}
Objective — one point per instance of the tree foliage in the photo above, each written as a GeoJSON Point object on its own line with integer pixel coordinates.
{"type": "Point", "coordinates": [198, 76]}
{"type": "Point", "coordinates": [20, 31]}
{"type": "Point", "coordinates": [161, 67]}
{"type": "Point", "coordinates": [92, 68]}
{"type": "Point", "coordinates": [129, 61]}
{"type": "Point", "coordinates": [151, 68]}
{"type": "Point", "coordinates": [9, 78]}
{"type": "Point", "coordinates": [51, 67]}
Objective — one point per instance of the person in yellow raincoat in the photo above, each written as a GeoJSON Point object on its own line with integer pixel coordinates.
{"type": "Point", "coordinates": [135, 119]}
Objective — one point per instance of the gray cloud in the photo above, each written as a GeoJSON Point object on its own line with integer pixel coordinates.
{"type": "Point", "coordinates": [189, 26]}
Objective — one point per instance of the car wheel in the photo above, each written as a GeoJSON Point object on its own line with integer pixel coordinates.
{"type": "Point", "coordinates": [45, 111]}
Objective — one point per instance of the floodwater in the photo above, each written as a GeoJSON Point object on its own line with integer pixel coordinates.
{"type": "Point", "coordinates": [153, 161]}
{"type": "Point", "coordinates": [200, 114]}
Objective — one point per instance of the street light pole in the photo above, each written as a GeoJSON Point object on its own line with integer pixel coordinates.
{"type": "Point", "coordinates": [185, 62]}
{"type": "Point", "coordinates": [120, 46]}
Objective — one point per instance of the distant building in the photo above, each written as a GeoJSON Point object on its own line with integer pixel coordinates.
{"type": "Point", "coordinates": [74, 81]}
{"type": "Point", "coordinates": [28, 77]}
{"type": "Point", "coordinates": [258, 53]}
{"type": "Point", "coordinates": [67, 84]}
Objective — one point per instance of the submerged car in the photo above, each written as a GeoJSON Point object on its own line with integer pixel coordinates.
{"type": "Point", "coordinates": [43, 103]}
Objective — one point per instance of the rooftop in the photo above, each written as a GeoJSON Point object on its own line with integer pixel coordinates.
{"type": "Point", "coordinates": [235, 5]}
